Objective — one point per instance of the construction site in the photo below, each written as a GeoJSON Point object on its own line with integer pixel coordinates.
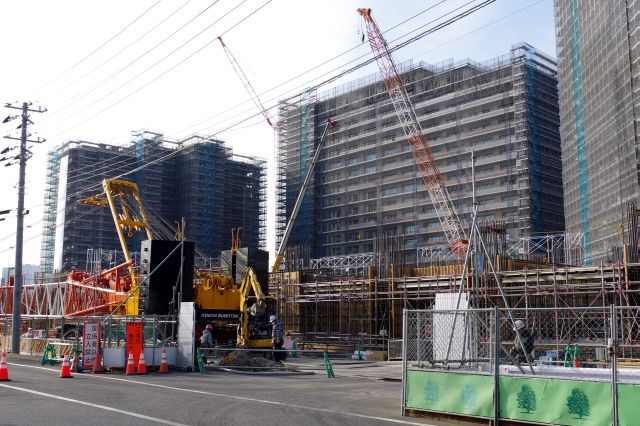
{"type": "Point", "coordinates": [420, 229]}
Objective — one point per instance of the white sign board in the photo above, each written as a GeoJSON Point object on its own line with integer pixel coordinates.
{"type": "Point", "coordinates": [186, 335]}
{"type": "Point", "coordinates": [90, 340]}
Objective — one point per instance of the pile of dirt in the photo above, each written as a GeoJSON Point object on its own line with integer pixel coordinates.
{"type": "Point", "coordinates": [244, 359]}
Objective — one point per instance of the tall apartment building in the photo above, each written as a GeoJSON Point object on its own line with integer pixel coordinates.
{"type": "Point", "coordinates": [196, 178]}
{"type": "Point", "coordinates": [366, 184]}
{"type": "Point", "coordinates": [598, 45]}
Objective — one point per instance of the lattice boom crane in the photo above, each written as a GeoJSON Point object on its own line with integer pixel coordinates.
{"type": "Point", "coordinates": [247, 85]}
{"type": "Point", "coordinates": [420, 148]}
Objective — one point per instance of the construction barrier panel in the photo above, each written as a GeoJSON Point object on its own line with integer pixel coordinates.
{"type": "Point", "coordinates": [628, 400]}
{"type": "Point", "coordinates": [450, 392]}
{"type": "Point", "coordinates": [556, 402]}
{"type": "Point", "coordinates": [580, 367]}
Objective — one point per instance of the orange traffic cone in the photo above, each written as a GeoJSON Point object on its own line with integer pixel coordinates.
{"type": "Point", "coordinates": [142, 365]}
{"type": "Point", "coordinates": [130, 368]}
{"type": "Point", "coordinates": [97, 363]}
{"type": "Point", "coordinates": [164, 367]}
{"type": "Point", "coordinates": [576, 363]}
{"type": "Point", "coordinates": [4, 371]}
{"type": "Point", "coordinates": [65, 371]}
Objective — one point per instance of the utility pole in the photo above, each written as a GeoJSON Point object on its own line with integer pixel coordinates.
{"type": "Point", "coordinates": [25, 154]}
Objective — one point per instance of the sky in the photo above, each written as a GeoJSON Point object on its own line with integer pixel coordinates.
{"type": "Point", "coordinates": [105, 69]}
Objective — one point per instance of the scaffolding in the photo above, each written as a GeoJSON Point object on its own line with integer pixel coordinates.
{"type": "Point", "coordinates": [358, 299]}
{"type": "Point", "coordinates": [49, 215]}
{"type": "Point", "coordinates": [347, 309]}
{"type": "Point", "coordinates": [366, 184]}
{"type": "Point", "coordinates": [196, 178]}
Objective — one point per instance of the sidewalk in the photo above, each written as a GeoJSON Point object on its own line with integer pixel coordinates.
{"type": "Point", "coordinates": [375, 370]}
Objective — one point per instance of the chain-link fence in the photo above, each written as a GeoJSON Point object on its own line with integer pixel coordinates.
{"type": "Point", "coordinates": [37, 332]}
{"type": "Point", "coordinates": [449, 339]}
{"type": "Point", "coordinates": [500, 360]}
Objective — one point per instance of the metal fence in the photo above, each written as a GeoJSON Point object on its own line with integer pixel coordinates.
{"type": "Point", "coordinates": [37, 331]}
{"type": "Point", "coordinates": [592, 344]}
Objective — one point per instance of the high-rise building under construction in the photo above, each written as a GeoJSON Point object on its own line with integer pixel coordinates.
{"type": "Point", "coordinates": [366, 184]}
{"type": "Point", "coordinates": [598, 45]}
{"type": "Point", "coordinates": [198, 179]}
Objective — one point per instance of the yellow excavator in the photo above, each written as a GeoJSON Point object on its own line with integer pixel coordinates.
{"type": "Point", "coordinates": [241, 311]}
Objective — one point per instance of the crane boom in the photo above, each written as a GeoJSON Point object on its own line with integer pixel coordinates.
{"type": "Point", "coordinates": [420, 148]}
{"type": "Point", "coordinates": [303, 190]}
{"type": "Point", "coordinates": [247, 85]}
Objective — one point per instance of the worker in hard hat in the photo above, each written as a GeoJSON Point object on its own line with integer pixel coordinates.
{"type": "Point", "coordinates": [523, 339]}
{"type": "Point", "coordinates": [277, 339]}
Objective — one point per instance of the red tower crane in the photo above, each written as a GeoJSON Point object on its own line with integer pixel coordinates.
{"type": "Point", "coordinates": [420, 148]}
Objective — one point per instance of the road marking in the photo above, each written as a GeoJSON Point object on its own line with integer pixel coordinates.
{"type": "Point", "coordinates": [89, 404]}
{"type": "Point", "coordinates": [241, 398]}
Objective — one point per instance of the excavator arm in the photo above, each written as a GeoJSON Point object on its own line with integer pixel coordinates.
{"type": "Point", "coordinates": [253, 303]}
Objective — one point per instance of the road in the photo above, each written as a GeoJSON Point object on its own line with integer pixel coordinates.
{"type": "Point", "coordinates": [36, 395]}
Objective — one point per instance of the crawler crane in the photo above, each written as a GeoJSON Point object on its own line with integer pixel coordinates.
{"type": "Point", "coordinates": [420, 148]}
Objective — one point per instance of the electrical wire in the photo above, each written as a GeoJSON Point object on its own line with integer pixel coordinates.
{"type": "Point", "coordinates": [99, 47]}
{"type": "Point", "coordinates": [394, 49]}
{"type": "Point", "coordinates": [296, 89]}
{"type": "Point", "coordinates": [102, 64]}
{"type": "Point", "coordinates": [97, 186]}
{"type": "Point", "coordinates": [72, 100]}
{"type": "Point", "coordinates": [165, 72]}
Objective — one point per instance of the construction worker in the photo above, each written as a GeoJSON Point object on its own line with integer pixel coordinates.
{"type": "Point", "coordinates": [524, 339]}
{"type": "Point", "coordinates": [277, 339]}
{"type": "Point", "coordinates": [206, 341]}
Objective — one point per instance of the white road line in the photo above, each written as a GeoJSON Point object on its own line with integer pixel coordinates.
{"type": "Point", "coordinates": [89, 404]}
{"type": "Point", "coordinates": [242, 398]}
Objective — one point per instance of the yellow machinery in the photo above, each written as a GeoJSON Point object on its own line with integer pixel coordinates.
{"type": "Point", "coordinates": [253, 332]}
{"type": "Point", "coordinates": [216, 291]}
{"type": "Point", "coordinates": [125, 203]}
{"type": "Point", "coordinates": [216, 295]}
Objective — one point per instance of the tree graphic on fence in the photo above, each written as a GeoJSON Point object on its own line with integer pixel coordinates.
{"type": "Point", "coordinates": [431, 392]}
{"type": "Point", "coordinates": [527, 399]}
{"type": "Point", "coordinates": [468, 396]}
{"type": "Point", "coordinates": [578, 403]}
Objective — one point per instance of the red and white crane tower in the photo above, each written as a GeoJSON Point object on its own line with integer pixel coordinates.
{"type": "Point", "coordinates": [420, 148]}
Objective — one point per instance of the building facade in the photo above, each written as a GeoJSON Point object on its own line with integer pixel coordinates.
{"type": "Point", "coordinates": [197, 179]}
{"type": "Point", "coordinates": [598, 45]}
{"type": "Point", "coordinates": [366, 184]}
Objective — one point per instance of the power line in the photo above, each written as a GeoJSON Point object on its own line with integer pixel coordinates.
{"type": "Point", "coordinates": [97, 67]}
{"type": "Point", "coordinates": [394, 49]}
{"type": "Point", "coordinates": [66, 103]}
{"type": "Point", "coordinates": [165, 72]}
{"type": "Point", "coordinates": [234, 125]}
{"type": "Point", "coordinates": [305, 85]}
{"type": "Point", "coordinates": [99, 47]}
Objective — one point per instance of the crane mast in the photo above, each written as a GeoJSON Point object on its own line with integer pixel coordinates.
{"type": "Point", "coordinates": [420, 148]}
{"type": "Point", "coordinates": [303, 190]}
{"type": "Point", "coordinates": [247, 85]}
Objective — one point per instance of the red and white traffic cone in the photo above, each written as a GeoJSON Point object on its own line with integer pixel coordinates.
{"type": "Point", "coordinates": [164, 366]}
{"type": "Point", "coordinates": [130, 367]}
{"type": "Point", "coordinates": [65, 371]}
{"type": "Point", "coordinates": [142, 364]}
{"type": "Point", "coordinates": [4, 371]}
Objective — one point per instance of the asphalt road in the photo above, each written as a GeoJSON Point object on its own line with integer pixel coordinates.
{"type": "Point", "coordinates": [36, 395]}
